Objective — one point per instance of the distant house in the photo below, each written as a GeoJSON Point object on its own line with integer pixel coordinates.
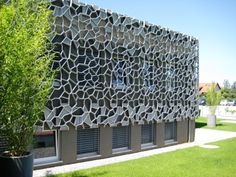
{"type": "Point", "coordinates": [204, 87]}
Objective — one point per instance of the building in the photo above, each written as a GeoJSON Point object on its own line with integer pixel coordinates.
{"type": "Point", "coordinates": [124, 86]}
{"type": "Point", "coordinates": [204, 87]}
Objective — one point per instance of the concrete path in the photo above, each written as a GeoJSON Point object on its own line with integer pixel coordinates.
{"type": "Point", "coordinates": [203, 136]}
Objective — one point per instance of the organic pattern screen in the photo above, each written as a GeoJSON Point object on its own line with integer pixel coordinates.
{"type": "Point", "coordinates": [118, 70]}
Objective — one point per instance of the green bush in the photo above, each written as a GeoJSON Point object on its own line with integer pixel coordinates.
{"type": "Point", "coordinates": [25, 76]}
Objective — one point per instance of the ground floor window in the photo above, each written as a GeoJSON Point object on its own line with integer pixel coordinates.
{"type": "Point", "coordinates": [45, 146]}
{"type": "Point", "coordinates": [147, 135]}
{"type": "Point", "coordinates": [3, 144]}
{"type": "Point", "coordinates": [170, 132]}
{"type": "Point", "coordinates": [88, 141]}
{"type": "Point", "coordinates": [120, 138]}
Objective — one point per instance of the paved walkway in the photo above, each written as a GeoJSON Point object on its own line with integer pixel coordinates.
{"type": "Point", "coordinates": [203, 136]}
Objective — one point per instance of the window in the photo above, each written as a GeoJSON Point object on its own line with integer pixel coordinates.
{"type": "Point", "coordinates": [3, 144]}
{"type": "Point", "coordinates": [45, 146]}
{"type": "Point", "coordinates": [120, 138]}
{"type": "Point", "coordinates": [148, 75]}
{"type": "Point", "coordinates": [87, 141]}
{"type": "Point", "coordinates": [170, 85]}
{"type": "Point", "coordinates": [170, 132]}
{"type": "Point", "coordinates": [119, 79]}
{"type": "Point", "coordinates": [147, 134]}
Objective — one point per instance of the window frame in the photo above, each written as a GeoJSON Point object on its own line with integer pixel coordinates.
{"type": "Point", "coordinates": [89, 154]}
{"type": "Point", "coordinates": [149, 144]}
{"type": "Point", "coordinates": [148, 75]}
{"type": "Point", "coordinates": [51, 159]}
{"type": "Point", "coordinates": [125, 78]}
{"type": "Point", "coordinates": [3, 144]}
{"type": "Point", "coordinates": [174, 135]}
{"type": "Point", "coordinates": [170, 81]}
{"type": "Point", "coordinates": [121, 149]}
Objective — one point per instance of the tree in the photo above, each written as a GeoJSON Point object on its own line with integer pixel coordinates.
{"type": "Point", "coordinates": [233, 86]}
{"type": "Point", "coordinates": [228, 94]}
{"type": "Point", "coordinates": [226, 84]}
{"type": "Point", "coordinates": [25, 75]}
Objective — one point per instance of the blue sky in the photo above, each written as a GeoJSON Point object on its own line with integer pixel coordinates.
{"type": "Point", "coordinates": [213, 22]}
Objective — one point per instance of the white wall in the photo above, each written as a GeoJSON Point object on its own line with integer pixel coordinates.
{"type": "Point", "coordinates": [221, 111]}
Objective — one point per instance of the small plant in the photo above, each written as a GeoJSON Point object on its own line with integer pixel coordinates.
{"type": "Point", "coordinates": [213, 98]}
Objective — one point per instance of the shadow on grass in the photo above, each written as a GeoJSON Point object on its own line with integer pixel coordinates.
{"type": "Point", "coordinates": [200, 124]}
{"type": "Point", "coordinates": [203, 124]}
{"type": "Point", "coordinates": [79, 174]}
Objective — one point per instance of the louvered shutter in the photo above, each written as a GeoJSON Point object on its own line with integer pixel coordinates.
{"type": "Point", "coordinates": [147, 133]}
{"type": "Point", "coordinates": [120, 137]}
{"type": "Point", "coordinates": [87, 140]}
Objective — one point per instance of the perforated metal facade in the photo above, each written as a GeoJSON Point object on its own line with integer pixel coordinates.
{"type": "Point", "coordinates": [118, 70]}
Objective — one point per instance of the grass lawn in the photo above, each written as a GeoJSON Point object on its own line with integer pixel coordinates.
{"type": "Point", "coordinates": [190, 162]}
{"type": "Point", "coordinates": [201, 122]}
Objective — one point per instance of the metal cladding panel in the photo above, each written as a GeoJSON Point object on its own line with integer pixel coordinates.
{"type": "Point", "coordinates": [116, 70]}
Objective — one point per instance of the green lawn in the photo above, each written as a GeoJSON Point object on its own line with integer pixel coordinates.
{"type": "Point", "coordinates": [190, 162]}
{"type": "Point", "coordinates": [201, 122]}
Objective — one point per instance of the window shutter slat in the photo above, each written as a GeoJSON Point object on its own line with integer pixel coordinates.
{"type": "Point", "coordinates": [147, 133]}
{"type": "Point", "coordinates": [87, 140]}
{"type": "Point", "coordinates": [120, 137]}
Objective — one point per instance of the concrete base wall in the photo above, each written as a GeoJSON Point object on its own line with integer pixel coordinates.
{"type": "Point", "coordinates": [135, 138]}
{"type": "Point", "coordinates": [105, 141]}
{"type": "Point", "coordinates": [191, 129]}
{"type": "Point", "coordinates": [68, 142]}
{"type": "Point", "coordinates": [160, 134]}
{"type": "Point", "coordinates": [182, 131]}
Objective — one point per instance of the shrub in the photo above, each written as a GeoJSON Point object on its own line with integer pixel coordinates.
{"type": "Point", "coordinates": [25, 76]}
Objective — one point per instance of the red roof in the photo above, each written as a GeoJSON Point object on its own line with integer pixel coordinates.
{"type": "Point", "coordinates": [204, 87]}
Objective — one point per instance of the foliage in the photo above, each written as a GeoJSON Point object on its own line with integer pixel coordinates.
{"type": "Point", "coordinates": [25, 76]}
{"type": "Point", "coordinates": [213, 98]}
{"type": "Point", "coordinates": [226, 84]}
{"type": "Point", "coordinates": [190, 162]}
{"type": "Point", "coordinates": [228, 94]}
{"type": "Point", "coordinates": [229, 91]}
{"type": "Point", "coordinates": [233, 86]}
